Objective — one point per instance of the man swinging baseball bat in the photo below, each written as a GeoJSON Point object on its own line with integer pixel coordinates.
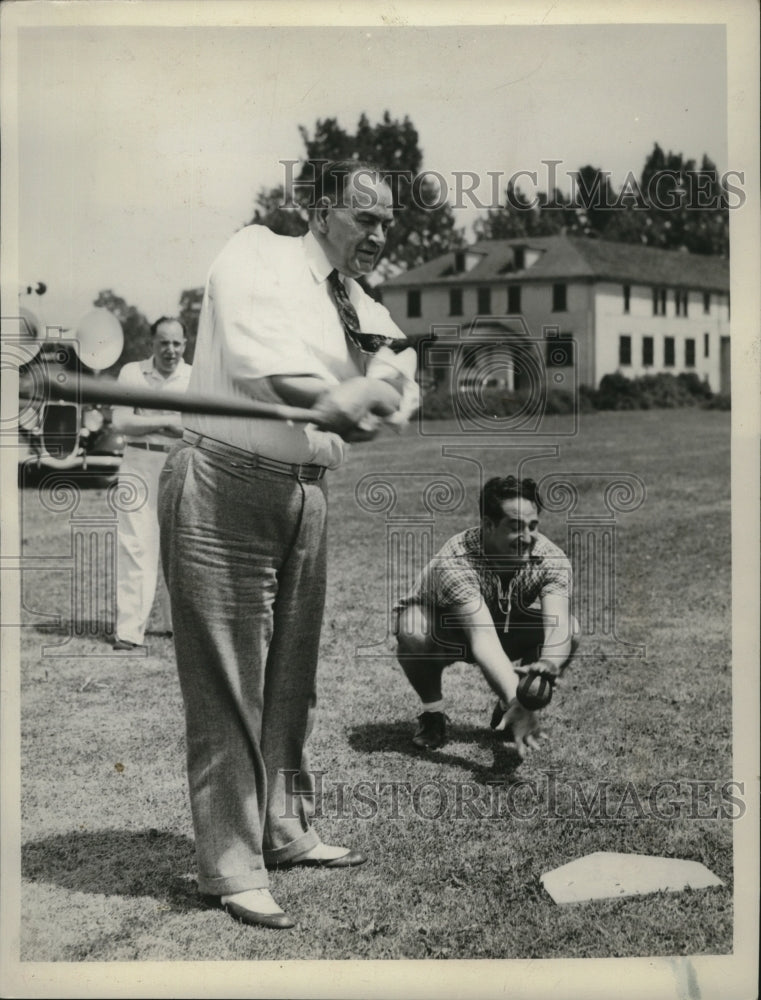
{"type": "Point", "coordinates": [288, 339]}
{"type": "Point", "coordinates": [242, 511]}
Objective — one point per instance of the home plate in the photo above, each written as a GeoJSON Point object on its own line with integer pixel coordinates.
{"type": "Point", "coordinates": [608, 875]}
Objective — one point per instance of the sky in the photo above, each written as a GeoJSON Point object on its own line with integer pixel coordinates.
{"type": "Point", "coordinates": [141, 149]}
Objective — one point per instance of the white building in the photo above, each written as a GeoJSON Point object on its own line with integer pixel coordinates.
{"type": "Point", "coordinates": [591, 305]}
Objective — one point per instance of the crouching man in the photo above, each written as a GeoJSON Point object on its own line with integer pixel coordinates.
{"type": "Point", "coordinates": [497, 595]}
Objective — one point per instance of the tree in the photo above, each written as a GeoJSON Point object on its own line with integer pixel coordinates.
{"type": "Point", "coordinates": [136, 328]}
{"type": "Point", "coordinates": [510, 221]}
{"type": "Point", "coordinates": [594, 200]}
{"type": "Point", "coordinates": [687, 207]}
{"type": "Point", "coordinates": [672, 205]}
{"type": "Point", "coordinates": [279, 213]}
{"type": "Point", "coordinates": [424, 224]}
{"type": "Point", "coordinates": [551, 214]}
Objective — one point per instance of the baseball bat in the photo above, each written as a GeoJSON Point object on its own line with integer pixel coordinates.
{"type": "Point", "coordinates": [86, 389]}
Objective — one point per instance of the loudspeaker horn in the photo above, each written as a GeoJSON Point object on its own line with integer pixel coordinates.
{"type": "Point", "coordinates": [99, 339]}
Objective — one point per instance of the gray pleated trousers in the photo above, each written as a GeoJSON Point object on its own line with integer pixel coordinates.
{"type": "Point", "coordinates": [244, 556]}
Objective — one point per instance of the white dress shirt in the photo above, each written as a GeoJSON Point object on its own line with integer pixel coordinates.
{"type": "Point", "coordinates": [267, 310]}
{"type": "Point", "coordinates": [144, 375]}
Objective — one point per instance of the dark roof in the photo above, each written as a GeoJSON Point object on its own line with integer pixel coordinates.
{"type": "Point", "coordinates": [564, 258]}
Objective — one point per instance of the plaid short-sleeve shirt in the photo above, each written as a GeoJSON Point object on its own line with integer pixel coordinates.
{"type": "Point", "coordinates": [460, 573]}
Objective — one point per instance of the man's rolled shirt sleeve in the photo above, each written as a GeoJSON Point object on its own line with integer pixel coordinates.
{"type": "Point", "coordinates": [558, 577]}
{"type": "Point", "coordinates": [377, 318]}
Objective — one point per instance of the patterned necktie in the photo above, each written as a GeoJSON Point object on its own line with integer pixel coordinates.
{"type": "Point", "coordinates": [368, 343]}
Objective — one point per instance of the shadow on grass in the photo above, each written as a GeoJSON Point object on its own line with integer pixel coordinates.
{"type": "Point", "coordinates": [87, 629]}
{"type": "Point", "coordinates": [116, 863]}
{"type": "Point", "coordinates": [396, 737]}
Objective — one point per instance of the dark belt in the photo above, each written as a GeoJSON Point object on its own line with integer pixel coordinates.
{"type": "Point", "coordinates": [148, 446]}
{"type": "Point", "coordinates": [239, 458]}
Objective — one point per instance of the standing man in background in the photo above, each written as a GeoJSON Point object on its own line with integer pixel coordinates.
{"type": "Point", "coordinates": [150, 434]}
{"type": "Point", "coordinates": [243, 511]}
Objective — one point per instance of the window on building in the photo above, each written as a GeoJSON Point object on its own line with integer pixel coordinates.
{"type": "Point", "coordinates": [706, 302]}
{"type": "Point", "coordinates": [559, 350]}
{"type": "Point", "coordinates": [513, 299]}
{"type": "Point", "coordinates": [559, 298]}
{"type": "Point", "coordinates": [625, 349]}
{"type": "Point", "coordinates": [413, 302]}
{"type": "Point", "coordinates": [663, 302]}
{"type": "Point", "coordinates": [669, 352]}
{"type": "Point", "coordinates": [706, 344]}
{"type": "Point", "coordinates": [648, 351]}
{"type": "Point", "coordinates": [455, 302]}
{"type": "Point", "coordinates": [484, 301]}
{"type": "Point", "coordinates": [659, 302]}
{"type": "Point", "coordinates": [681, 300]}
{"type": "Point", "coordinates": [689, 352]}
{"type": "Point", "coordinates": [627, 297]}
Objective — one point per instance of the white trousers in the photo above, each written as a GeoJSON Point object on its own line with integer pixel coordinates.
{"type": "Point", "coordinates": [137, 567]}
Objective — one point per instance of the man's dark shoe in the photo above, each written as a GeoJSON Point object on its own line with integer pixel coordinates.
{"type": "Point", "coordinates": [432, 731]}
{"type": "Point", "coordinates": [275, 921]}
{"type": "Point", "coordinates": [351, 859]}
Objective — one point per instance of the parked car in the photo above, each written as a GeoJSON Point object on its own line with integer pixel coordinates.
{"type": "Point", "coordinates": [56, 435]}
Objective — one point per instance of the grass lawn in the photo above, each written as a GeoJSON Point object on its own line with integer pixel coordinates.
{"type": "Point", "coordinates": [107, 855]}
